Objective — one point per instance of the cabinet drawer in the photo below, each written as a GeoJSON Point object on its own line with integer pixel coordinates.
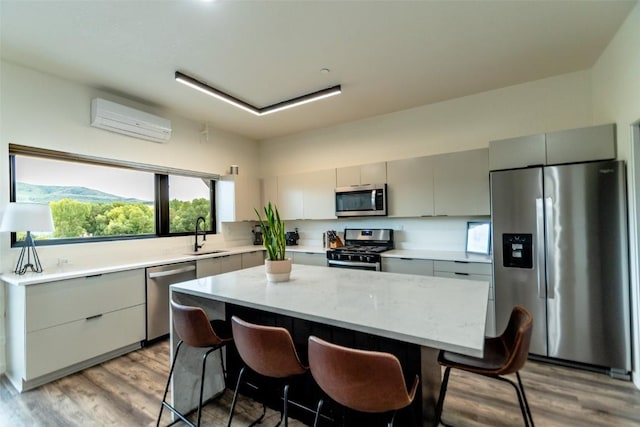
{"type": "Point", "coordinates": [208, 267]}
{"type": "Point", "coordinates": [422, 267]}
{"type": "Point", "coordinates": [310, 259]}
{"type": "Point", "coordinates": [252, 259]}
{"type": "Point", "coordinates": [230, 263]}
{"type": "Point", "coordinates": [51, 349]}
{"type": "Point", "coordinates": [55, 303]}
{"type": "Point", "coordinates": [462, 267]}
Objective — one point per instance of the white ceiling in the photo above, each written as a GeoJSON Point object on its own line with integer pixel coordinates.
{"type": "Point", "coordinates": [387, 55]}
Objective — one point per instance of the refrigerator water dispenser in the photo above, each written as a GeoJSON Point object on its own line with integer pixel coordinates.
{"type": "Point", "coordinates": [517, 250]}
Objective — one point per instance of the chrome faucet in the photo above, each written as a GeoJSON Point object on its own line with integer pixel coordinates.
{"type": "Point", "coordinates": [204, 233]}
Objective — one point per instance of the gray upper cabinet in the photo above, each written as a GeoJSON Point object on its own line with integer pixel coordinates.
{"type": "Point", "coordinates": [461, 183]}
{"type": "Point", "coordinates": [581, 145]}
{"type": "Point", "coordinates": [410, 184]}
{"type": "Point", "coordinates": [372, 173]}
{"type": "Point", "coordinates": [566, 146]}
{"type": "Point", "coordinates": [518, 152]}
{"type": "Point", "coordinates": [447, 184]}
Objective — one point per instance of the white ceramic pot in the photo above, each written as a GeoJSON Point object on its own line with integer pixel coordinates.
{"type": "Point", "coordinates": [278, 271]}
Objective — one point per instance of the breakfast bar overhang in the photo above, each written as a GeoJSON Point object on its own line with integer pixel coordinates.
{"type": "Point", "coordinates": [429, 312]}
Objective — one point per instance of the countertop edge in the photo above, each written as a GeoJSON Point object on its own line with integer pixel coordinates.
{"type": "Point", "coordinates": [45, 277]}
{"type": "Point", "coordinates": [69, 273]}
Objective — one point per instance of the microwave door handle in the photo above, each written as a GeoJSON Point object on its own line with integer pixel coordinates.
{"type": "Point", "coordinates": [373, 199]}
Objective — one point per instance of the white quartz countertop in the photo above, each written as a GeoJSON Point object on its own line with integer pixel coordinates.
{"type": "Point", "coordinates": [437, 255]}
{"type": "Point", "coordinates": [429, 311]}
{"type": "Point", "coordinates": [70, 272]}
{"type": "Point", "coordinates": [411, 253]}
{"type": "Point", "coordinates": [63, 273]}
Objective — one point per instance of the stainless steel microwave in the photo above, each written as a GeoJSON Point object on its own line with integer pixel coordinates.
{"type": "Point", "coordinates": [361, 200]}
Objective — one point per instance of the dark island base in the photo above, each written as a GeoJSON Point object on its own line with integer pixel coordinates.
{"type": "Point", "coordinates": [303, 392]}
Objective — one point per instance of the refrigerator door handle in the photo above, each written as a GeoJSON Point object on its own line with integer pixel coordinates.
{"type": "Point", "coordinates": [548, 208]}
{"type": "Point", "coordinates": [540, 248]}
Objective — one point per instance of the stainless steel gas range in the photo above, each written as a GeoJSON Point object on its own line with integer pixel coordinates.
{"type": "Point", "coordinates": [362, 249]}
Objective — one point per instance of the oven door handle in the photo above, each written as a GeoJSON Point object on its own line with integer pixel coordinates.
{"type": "Point", "coordinates": [353, 263]}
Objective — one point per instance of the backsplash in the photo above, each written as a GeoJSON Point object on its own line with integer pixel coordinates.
{"type": "Point", "coordinates": [430, 233]}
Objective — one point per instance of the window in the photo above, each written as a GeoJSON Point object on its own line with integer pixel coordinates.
{"type": "Point", "coordinates": [184, 199]}
{"type": "Point", "coordinates": [94, 199]}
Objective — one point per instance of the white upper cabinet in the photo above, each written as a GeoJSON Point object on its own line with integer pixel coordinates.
{"type": "Point", "coordinates": [318, 197]}
{"type": "Point", "coordinates": [461, 183]}
{"type": "Point", "coordinates": [307, 195]}
{"type": "Point", "coordinates": [269, 191]}
{"type": "Point", "coordinates": [410, 187]}
{"type": "Point", "coordinates": [566, 146]}
{"type": "Point", "coordinates": [237, 197]}
{"type": "Point", "coordinates": [290, 191]}
{"type": "Point", "coordinates": [372, 173]}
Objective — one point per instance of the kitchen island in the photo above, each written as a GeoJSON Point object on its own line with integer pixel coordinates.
{"type": "Point", "coordinates": [428, 313]}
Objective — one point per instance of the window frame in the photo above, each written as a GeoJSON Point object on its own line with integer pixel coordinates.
{"type": "Point", "coordinates": [161, 193]}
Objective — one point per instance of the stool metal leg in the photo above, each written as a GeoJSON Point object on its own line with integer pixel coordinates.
{"type": "Point", "coordinates": [443, 392]}
{"type": "Point", "coordinates": [204, 365]}
{"type": "Point", "coordinates": [315, 422]}
{"type": "Point", "coordinates": [524, 397]}
{"type": "Point", "coordinates": [166, 389]}
{"type": "Point", "coordinates": [235, 396]}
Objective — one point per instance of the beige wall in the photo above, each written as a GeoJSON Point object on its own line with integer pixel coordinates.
{"type": "Point", "coordinates": [461, 124]}
{"type": "Point", "coordinates": [616, 98]}
{"type": "Point", "coordinates": [40, 110]}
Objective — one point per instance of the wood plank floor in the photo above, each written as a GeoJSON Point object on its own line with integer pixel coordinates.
{"type": "Point", "coordinates": [127, 391]}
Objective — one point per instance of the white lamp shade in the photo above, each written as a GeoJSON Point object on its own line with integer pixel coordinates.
{"type": "Point", "coordinates": [27, 217]}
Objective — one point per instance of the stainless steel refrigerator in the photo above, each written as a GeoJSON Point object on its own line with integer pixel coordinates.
{"type": "Point", "coordinates": [560, 249]}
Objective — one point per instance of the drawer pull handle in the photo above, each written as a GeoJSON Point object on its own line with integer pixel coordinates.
{"type": "Point", "coordinates": [462, 262]}
{"type": "Point", "coordinates": [97, 316]}
{"type": "Point", "coordinates": [156, 274]}
{"type": "Point", "coordinates": [462, 274]}
{"type": "Point", "coordinates": [93, 275]}
{"type": "Point", "coordinates": [406, 259]}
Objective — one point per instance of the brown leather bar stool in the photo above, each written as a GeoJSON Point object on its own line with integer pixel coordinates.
{"type": "Point", "coordinates": [194, 329]}
{"type": "Point", "coordinates": [268, 351]}
{"type": "Point", "coordinates": [365, 381]}
{"type": "Point", "coordinates": [503, 355]}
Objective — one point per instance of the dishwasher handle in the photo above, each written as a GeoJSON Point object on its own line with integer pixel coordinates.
{"type": "Point", "coordinates": [156, 274]}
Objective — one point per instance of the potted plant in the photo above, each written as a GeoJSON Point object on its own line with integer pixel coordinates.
{"type": "Point", "coordinates": [277, 267]}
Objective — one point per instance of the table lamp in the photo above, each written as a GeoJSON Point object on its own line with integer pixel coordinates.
{"type": "Point", "coordinates": [27, 217]}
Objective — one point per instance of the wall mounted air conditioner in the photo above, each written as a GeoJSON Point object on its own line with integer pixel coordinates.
{"type": "Point", "coordinates": [128, 121]}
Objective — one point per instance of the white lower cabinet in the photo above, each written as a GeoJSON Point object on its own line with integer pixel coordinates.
{"type": "Point", "coordinates": [218, 265]}
{"type": "Point", "coordinates": [60, 327]}
{"type": "Point", "coordinates": [230, 263]}
{"type": "Point", "coordinates": [308, 258]}
{"type": "Point", "coordinates": [408, 266]}
{"type": "Point", "coordinates": [471, 271]}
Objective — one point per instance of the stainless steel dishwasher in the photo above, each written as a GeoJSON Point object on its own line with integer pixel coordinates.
{"type": "Point", "coordinates": [157, 291]}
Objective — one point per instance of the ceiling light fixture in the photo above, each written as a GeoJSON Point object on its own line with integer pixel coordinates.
{"type": "Point", "coordinates": [269, 109]}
